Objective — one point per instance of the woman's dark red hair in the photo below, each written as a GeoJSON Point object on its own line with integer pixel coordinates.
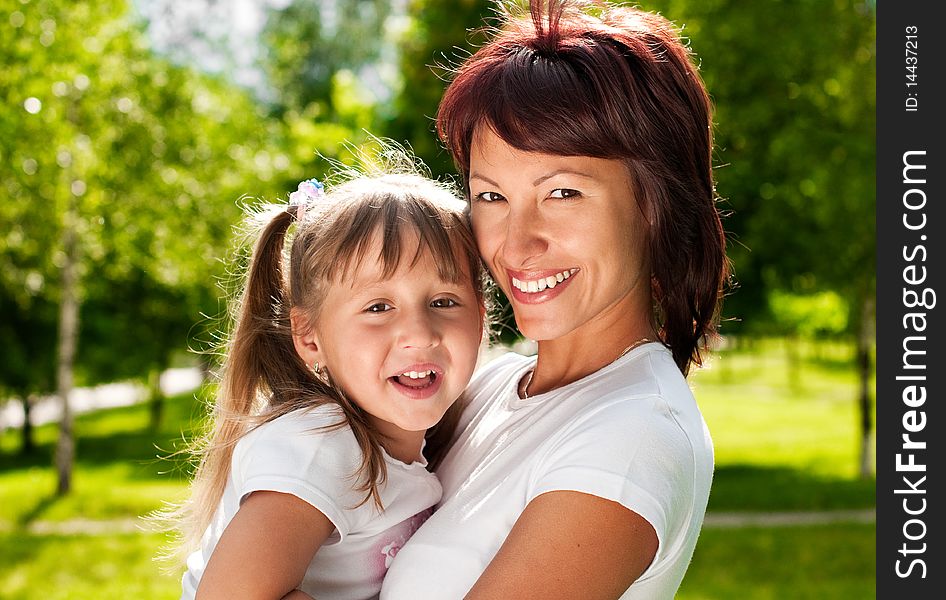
{"type": "Point", "coordinates": [582, 79]}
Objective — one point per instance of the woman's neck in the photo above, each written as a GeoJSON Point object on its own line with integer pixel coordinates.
{"type": "Point", "coordinates": [588, 349]}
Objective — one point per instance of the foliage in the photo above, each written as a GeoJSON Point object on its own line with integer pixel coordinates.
{"type": "Point", "coordinates": [809, 315]}
{"type": "Point", "coordinates": [793, 88]}
{"type": "Point", "coordinates": [155, 154]}
{"type": "Point", "coordinates": [309, 43]}
{"type": "Point", "coordinates": [438, 35]}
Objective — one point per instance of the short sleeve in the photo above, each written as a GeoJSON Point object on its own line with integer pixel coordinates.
{"type": "Point", "coordinates": [300, 454]}
{"type": "Point", "coordinates": [629, 451]}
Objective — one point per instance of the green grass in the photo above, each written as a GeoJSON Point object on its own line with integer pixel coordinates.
{"type": "Point", "coordinates": [782, 443]}
{"type": "Point", "coordinates": [121, 469]}
{"type": "Point", "coordinates": [826, 562]}
{"type": "Point", "coordinates": [78, 567]}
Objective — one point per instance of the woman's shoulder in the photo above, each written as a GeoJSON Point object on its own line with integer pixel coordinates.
{"type": "Point", "coordinates": [648, 371]}
{"type": "Point", "coordinates": [498, 360]}
{"type": "Point", "coordinates": [644, 392]}
{"type": "Point", "coordinates": [498, 370]}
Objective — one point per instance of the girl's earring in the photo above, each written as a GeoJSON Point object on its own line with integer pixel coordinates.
{"type": "Point", "coordinates": [320, 373]}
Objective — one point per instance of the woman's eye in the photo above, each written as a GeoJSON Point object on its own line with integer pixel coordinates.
{"type": "Point", "coordinates": [379, 307]}
{"type": "Point", "coordinates": [488, 197]}
{"type": "Point", "coordinates": [564, 193]}
{"type": "Point", "coordinates": [444, 303]}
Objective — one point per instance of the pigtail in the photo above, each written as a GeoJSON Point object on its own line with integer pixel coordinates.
{"type": "Point", "coordinates": [261, 378]}
{"type": "Point", "coordinates": [247, 371]}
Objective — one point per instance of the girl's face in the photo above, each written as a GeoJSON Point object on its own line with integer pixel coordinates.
{"type": "Point", "coordinates": [402, 348]}
{"type": "Point", "coordinates": [563, 237]}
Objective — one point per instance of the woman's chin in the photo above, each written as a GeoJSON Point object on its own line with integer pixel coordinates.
{"type": "Point", "coordinates": [541, 329]}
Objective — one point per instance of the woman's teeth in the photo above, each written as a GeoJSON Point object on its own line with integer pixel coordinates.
{"type": "Point", "coordinates": [531, 287]}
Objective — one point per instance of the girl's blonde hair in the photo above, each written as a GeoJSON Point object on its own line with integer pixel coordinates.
{"type": "Point", "coordinates": [262, 376]}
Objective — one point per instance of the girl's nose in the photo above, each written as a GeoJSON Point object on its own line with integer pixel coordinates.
{"type": "Point", "coordinates": [417, 330]}
{"type": "Point", "coordinates": [525, 238]}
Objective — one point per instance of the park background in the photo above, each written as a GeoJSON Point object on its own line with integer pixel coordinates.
{"type": "Point", "coordinates": [130, 131]}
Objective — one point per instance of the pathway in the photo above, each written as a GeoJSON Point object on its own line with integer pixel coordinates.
{"type": "Point", "coordinates": [713, 520]}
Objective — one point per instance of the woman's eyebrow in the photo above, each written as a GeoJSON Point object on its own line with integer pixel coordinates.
{"type": "Point", "coordinates": [539, 180]}
{"type": "Point", "coordinates": [475, 175]}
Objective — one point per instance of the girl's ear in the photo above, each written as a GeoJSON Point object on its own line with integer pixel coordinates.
{"type": "Point", "coordinates": [304, 338]}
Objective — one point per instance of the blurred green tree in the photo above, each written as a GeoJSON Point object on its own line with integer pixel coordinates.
{"type": "Point", "coordinates": [437, 35]}
{"type": "Point", "coordinates": [123, 180]}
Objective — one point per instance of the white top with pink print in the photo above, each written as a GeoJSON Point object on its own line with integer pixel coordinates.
{"type": "Point", "coordinates": [292, 455]}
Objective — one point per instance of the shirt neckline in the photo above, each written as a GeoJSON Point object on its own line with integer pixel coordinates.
{"type": "Point", "coordinates": [420, 464]}
{"type": "Point", "coordinates": [515, 402]}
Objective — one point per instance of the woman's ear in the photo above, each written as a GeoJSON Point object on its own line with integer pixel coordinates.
{"type": "Point", "coordinates": [304, 338]}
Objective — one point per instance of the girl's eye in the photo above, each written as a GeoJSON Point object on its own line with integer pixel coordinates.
{"type": "Point", "coordinates": [564, 193]}
{"type": "Point", "coordinates": [379, 307]}
{"type": "Point", "coordinates": [444, 303]}
{"type": "Point", "coordinates": [488, 197]}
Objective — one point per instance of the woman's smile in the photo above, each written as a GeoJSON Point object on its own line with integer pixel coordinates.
{"type": "Point", "coordinates": [534, 287]}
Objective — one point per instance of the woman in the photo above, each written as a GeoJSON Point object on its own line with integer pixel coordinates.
{"type": "Point", "coordinates": [584, 140]}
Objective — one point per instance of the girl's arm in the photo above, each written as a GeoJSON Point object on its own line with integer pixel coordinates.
{"type": "Point", "coordinates": [265, 549]}
{"type": "Point", "coordinates": [569, 545]}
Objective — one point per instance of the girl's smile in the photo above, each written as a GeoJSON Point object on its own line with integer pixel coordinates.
{"type": "Point", "coordinates": [418, 381]}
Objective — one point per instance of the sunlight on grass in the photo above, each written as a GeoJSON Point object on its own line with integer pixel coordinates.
{"type": "Point", "coordinates": [83, 567]}
{"type": "Point", "coordinates": [803, 563]}
{"type": "Point", "coordinates": [760, 414]}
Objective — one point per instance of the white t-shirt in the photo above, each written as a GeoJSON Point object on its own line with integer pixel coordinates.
{"type": "Point", "coordinates": [630, 432]}
{"type": "Point", "coordinates": [291, 455]}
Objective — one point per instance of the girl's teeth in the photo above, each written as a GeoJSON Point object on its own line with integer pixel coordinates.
{"type": "Point", "coordinates": [416, 375]}
{"type": "Point", "coordinates": [531, 287]}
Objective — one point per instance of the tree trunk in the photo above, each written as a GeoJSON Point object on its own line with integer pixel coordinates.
{"type": "Point", "coordinates": [865, 333]}
{"type": "Point", "coordinates": [155, 400]}
{"type": "Point", "coordinates": [68, 338]}
{"type": "Point", "coordinates": [26, 444]}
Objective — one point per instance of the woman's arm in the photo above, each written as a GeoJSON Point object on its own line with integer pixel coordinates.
{"type": "Point", "coordinates": [569, 545]}
{"type": "Point", "coordinates": [265, 549]}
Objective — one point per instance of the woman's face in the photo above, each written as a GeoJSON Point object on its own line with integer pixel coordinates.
{"type": "Point", "coordinates": [563, 237]}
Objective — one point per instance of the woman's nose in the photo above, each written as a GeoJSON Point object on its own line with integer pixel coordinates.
{"type": "Point", "coordinates": [525, 238]}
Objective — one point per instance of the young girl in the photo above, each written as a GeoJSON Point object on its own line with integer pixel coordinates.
{"type": "Point", "coordinates": [313, 474]}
